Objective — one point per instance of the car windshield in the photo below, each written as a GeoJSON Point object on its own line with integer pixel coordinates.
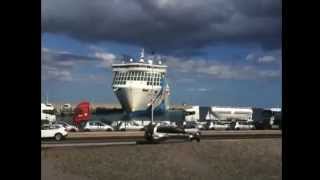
{"type": "Point", "coordinates": [166, 129]}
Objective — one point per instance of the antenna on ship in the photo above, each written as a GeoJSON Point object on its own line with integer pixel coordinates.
{"type": "Point", "coordinates": [142, 56]}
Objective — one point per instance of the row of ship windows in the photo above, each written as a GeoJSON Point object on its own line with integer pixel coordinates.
{"type": "Point", "coordinates": [149, 83]}
{"type": "Point", "coordinates": [138, 74]}
{"type": "Point", "coordinates": [136, 78]}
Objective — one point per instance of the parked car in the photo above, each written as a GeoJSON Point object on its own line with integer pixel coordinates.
{"type": "Point", "coordinates": [191, 128]}
{"type": "Point", "coordinates": [218, 126]}
{"type": "Point", "coordinates": [58, 132]}
{"type": "Point", "coordinates": [243, 125]}
{"type": "Point", "coordinates": [156, 133]}
{"type": "Point", "coordinates": [97, 126]}
{"type": "Point", "coordinates": [68, 127]}
{"type": "Point", "coordinates": [168, 123]}
{"type": "Point", "coordinates": [130, 125]}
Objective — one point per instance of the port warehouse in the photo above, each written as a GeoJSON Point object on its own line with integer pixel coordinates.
{"type": "Point", "coordinates": [223, 114]}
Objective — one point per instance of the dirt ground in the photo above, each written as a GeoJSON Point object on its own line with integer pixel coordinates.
{"type": "Point", "coordinates": [210, 159]}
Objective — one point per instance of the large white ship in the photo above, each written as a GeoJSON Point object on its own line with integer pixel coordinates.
{"type": "Point", "coordinates": [138, 83]}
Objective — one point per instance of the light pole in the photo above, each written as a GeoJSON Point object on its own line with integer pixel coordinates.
{"type": "Point", "coordinates": [152, 96]}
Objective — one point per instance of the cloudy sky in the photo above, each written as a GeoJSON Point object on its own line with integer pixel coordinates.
{"type": "Point", "coordinates": [219, 52]}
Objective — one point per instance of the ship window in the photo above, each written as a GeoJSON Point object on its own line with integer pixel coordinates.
{"type": "Point", "coordinates": [145, 78]}
{"type": "Point", "coordinates": [148, 83]}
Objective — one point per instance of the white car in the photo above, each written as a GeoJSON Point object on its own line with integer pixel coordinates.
{"type": "Point", "coordinates": [218, 126]}
{"type": "Point", "coordinates": [123, 126]}
{"type": "Point", "coordinates": [55, 131]}
{"type": "Point", "coordinates": [68, 127]}
{"type": "Point", "coordinates": [97, 126]}
{"type": "Point", "coordinates": [244, 126]}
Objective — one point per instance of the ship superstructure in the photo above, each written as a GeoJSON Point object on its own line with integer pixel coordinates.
{"type": "Point", "coordinates": [138, 84]}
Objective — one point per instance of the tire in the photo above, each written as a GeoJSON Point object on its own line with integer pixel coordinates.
{"type": "Point", "coordinates": [87, 130]}
{"type": "Point", "coordinates": [58, 137]}
{"type": "Point", "coordinates": [109, 129]}
{"type": "Point", "coordinates": [72, 130]}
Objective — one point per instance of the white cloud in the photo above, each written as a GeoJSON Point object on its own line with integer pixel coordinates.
{"type": "Point", "coordinates": [107, 59]}
{"type": "Point", "coordinates": [53, 73]}
{"type": "Point", "coordinates": [250, 57]}
{"type": "Point", "coordinates": [219, 69]}
{"type": "Point", "coordinates": [203, 89]}
{"type": "Point", "coordinates": [266, 59]}
{"type": "Point", "coordinates": [198, 89]}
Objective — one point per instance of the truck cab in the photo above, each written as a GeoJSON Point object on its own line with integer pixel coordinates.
{"type": "Point", "coordinates": [48, 113]}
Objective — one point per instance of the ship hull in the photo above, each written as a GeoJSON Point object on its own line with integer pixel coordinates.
{"type": "Point", "coordinates": [137, 101]}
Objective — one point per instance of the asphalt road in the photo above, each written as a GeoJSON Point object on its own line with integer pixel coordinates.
{"type": "Point", "coordinates": [132, 138]}
{"type": "Point", "coordinates": [237, 159]}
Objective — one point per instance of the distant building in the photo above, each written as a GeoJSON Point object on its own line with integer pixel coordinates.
{"type": "Point", "coordinates": [215, 113]}
{"type": "Point", "coordinates": [192, 114]}
{"type": "Point", "coordinates": [232, 113]}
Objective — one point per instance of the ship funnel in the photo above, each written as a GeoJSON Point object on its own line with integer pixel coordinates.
{"type": "Point", "coordinates": [159, 62]}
